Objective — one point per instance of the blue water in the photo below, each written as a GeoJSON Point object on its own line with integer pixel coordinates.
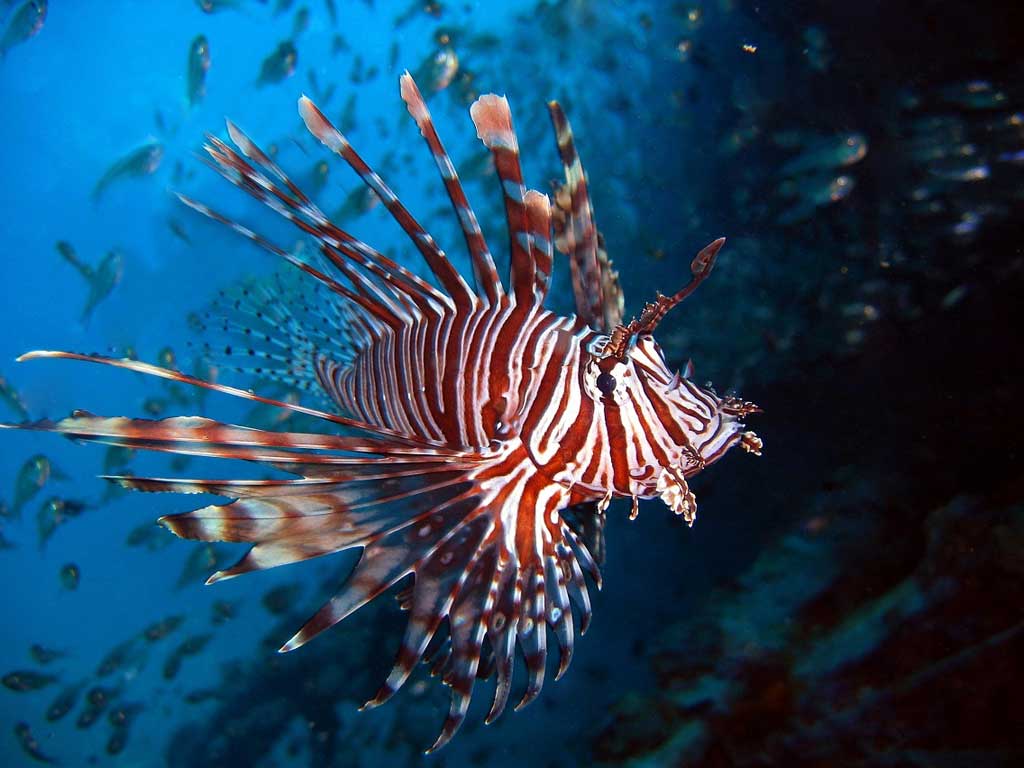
{"type": "Point", "coordinates": [684, 117]}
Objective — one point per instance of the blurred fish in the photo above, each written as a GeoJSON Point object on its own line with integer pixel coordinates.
{"type": "Point", "coordinates": [162, 628]}
{"type": "Point", "coordinates": [201, 563]}
{"type": "Point", "coordinates": [215, 6]}
{"type": "Point", "coordinates": [198, 64]}
{"type": "Point", "coordinates": [202, 694]}
{"type": "Point", "coordinates": [279, 65]}
{"type": "Point", "coordinates": [121, 716]}
{"type": "Point", "coordinates": [323, 95]}
{"type": "Point", "coordinates": [194, 645]}
{"type": "Point", "coordinates": [320, 173]}
{"type": "Point", "coordinates": [25, 24]}
{"type": "Point", "coordinates": [826, 153]}
{"type": "Point", "coordinates": [10, 396]}
{"type": "Point", "coordinates": [70, 576]}
{"type": "Point", "coordinates": [814, 194]}
{"type": "Point", "coordinates": [359, 201]}
{"type": "Point", "coordinates": [25, 680]}
{"type": "Point", "coordinates": [282, 6]}
{"type": "Point", "coordinates": [117, 741]}
{"type": "Point", "coordinates": [154, 406]}
{"type": "Point", "coordinates": [28, 742]}
{"type": "Point", "coordinates": [96, 701]}
{"type": "Point", "coordinates": [53, 513]}
{"type": "Point", "coordinates": [178, 230]}
{"type": "Point", "coordinates": [43, 655]}
{"type": "Point", "coordinates": [148, 536]}
{"type": "Point", "coordinates": [142, 161]}
{"type": "Point", "coordinates": [223, 611]}
{"type": "Point", "coordinates": [167, 359]}
{"type": "Point", "coordinates": [64, 702]}
{"type": "Point", "coordinates": [36, 472]}
{"type": "Point", "coordinates": [119, 657]}
{"type": "Point", "coordinates": [190, 647]}
{"type": "Point", "coordinates": [974, 94]}
{"type": "Point", "coordinates": [429, 7]}
{"type": "Point", "coordinates": [102, 279]}
{"type": "Point", "coordinates": [5, 543]}
{"type": "Point", "coordinates": [332, 11]}
{"type": "Point", "coordinates": [338, 45]}
{"type": "Point", "coordinates": [279, 600]}
{"type": "Point", "coordinates": [347, 121]}
{"type": "Point", "coordinates": [300, 23]}
{"type": "Point", "coordinates": [439, 69]}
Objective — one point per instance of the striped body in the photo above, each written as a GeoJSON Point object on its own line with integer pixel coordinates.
{"type": "Point", "coordinates": [481, 436]}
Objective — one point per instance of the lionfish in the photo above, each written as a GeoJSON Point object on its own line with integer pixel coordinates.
{"type": "Point", "coordinates": [476, 437]}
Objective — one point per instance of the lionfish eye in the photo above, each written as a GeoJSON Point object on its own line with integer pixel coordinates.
{"type": "Point", "coordinates": [606, 383]}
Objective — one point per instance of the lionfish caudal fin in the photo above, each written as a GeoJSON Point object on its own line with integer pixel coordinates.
{"type": "Point", "coordinates": [493, 563]}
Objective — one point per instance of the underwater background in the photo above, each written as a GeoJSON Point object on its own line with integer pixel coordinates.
{"type": "Point", "coordinates": [852, 597]}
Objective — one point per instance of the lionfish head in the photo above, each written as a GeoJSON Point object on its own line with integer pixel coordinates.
{"type": "Point", "coordinates": [671, 428]}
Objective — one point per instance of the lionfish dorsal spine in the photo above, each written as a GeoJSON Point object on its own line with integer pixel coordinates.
{"type": "Point", "coordinates": [493, 120]}
{"type": "Point", "coordinates": [449, 277]}
{"type": "Point", "coordinates": [486, 274]}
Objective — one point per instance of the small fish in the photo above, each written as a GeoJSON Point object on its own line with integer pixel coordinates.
{"type": "Point", "coordinates": [96, 700]}
{"type": "Point", "coordinates": [149, 537]}
{"type": "Point", "coordinates": [198, 65]}
{"type": "Point", "coordinates": [814, 194]}
{"type": "Point", "coordinates": [223, 611]}
{"type": "Point", "coordinates": [215, 6]}
{"type": "Point", "coordinates": [824, 154]}
{"type": "Point", "coordinates": [359, 201]}
{"type": "Point", "coordinates": [281, 599]}
{"type": "Point", "coordinates": [430, 7]}
{"type": "Point", "coordinates": [320, 173]}
{"type": "Point", "coordinates": [122, 716]}
{"type": "Point", "coordinates": [102, 279]}
{"type": "Point", "coordinates": [25, 24]}
{"type": "Point", "coordinates": [53, 513]}
{"type": "Point", "coordinates": [439, 69]}
{"type": "Point", "coordinates": [162, 628]}
{"type": "Point", "coordinates": [118, 657]}
{"type": "Point", "coordinates": [70, 577]}
{"type": "Point", "coordinates": [117, 741]}
{"type": "Point", "coordinates": [338, 45]}
{"type": "Point", "coordinates": [201, 562]}
{"type": "Point", "coordinates": [28, 742]}
{"type": "Point", "coordinates": [332, 11]}
{"type": "Point", "coordinates": [167, 359]}
{"type": "Point", "coordinates": [974, 94]}
{"type": "Point", "coordinates": [43, 655]}
{"type": "Point", "coordinates": [154, 406]}
{"type": "Point", "coordinates": [279, 65]}
{"type": "Point", "coordinates": [193, 645]}
{"type": "Point", "coordinates": [64, 702]}
{"type": "Point", "coordinates": [117, 457]}
{"type": "Point", "coordinates": [10, 396]}
{"type": "Point", "coordinates": [5, 543]}
{"type": "Point", "coordinates": [201, 695]}
{"type": "Point", "coordinates": [142, 161]}
{"type": "Point", "coordinates": [25, 680]}
{"type": "Point", "coordinates": [300, 23]}
{"type": "Point", "coordinates": [36, 472]}
{"type": "Point", "coordinates": [281, 6]}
